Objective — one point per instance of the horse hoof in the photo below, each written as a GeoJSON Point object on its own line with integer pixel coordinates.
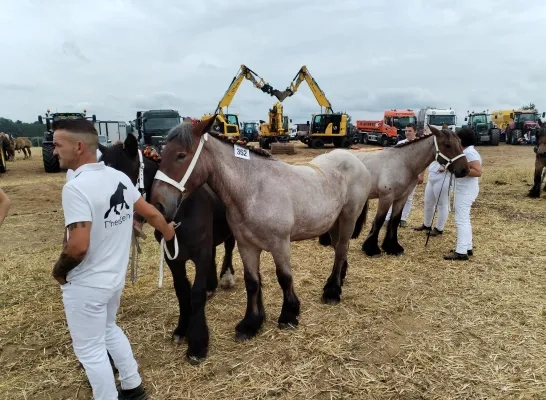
{"type": "Point", "coordinates": [330, 301]}
{"type": "Point", "coordinates": [227, 281]}
{"type": "Point", "coordinates": [194, 360]}
{"type": "Point", "coordinates": [242, 336]}
{"type": "Point", "coordinates": [178, 339]}
{"type": "Point", "coordinates": [288, 325]}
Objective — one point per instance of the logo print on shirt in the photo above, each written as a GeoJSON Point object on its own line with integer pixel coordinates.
{"type": "Point", "coordinates": [117, 199]}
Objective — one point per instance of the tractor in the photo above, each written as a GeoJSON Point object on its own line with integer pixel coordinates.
{"type": "Point", "coordinates": [51, 162]}
{"type": "Point", "coordinates": [523, 127]}
{"type": "Point", "coordinates": [483, 127]}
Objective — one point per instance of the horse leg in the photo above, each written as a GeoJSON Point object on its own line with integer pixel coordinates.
{"type": "Point", "coordinates": [182, 288]}
{"type": "Point", "coordinates": [390, 243]}
{"type": "Point", "coordinates": [198, 332]}
{"type": "Point", "coordinates": [255, 312]}
{"type": "Point", "coordinates": [340, 233]}
{"type": "Point", "coordinates": [227, 274]}
{"type": "Point", "coordinates": [370, 245]}
{"type": "Point", "coordinates": [535, 190]}
{"type": "Point", "coordinates": [212, 279]}
{"type": "Point", "coordinates": [332, 235]}
{"type": "Point", "coordinates": [291, 304]}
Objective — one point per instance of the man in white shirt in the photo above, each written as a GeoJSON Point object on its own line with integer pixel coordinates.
{"type": "Point", "coordinates": [98, 204]}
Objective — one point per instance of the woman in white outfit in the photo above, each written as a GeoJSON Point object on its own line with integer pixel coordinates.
{"type": "Point", "coordinates": [436, 195]}
{"type": "Point", "coordinates": [466, 192]}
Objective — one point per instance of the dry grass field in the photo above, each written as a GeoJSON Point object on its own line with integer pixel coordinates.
{"type": "Point", "coordinates": [409, 327]}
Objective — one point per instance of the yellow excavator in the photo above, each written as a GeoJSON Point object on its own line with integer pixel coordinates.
{"type": "Point", "coordinates": [228, 124]}
{"type": "Point", "coordinates": [277, 129]}
{"type": "Point", "coordinates": [328, 127]}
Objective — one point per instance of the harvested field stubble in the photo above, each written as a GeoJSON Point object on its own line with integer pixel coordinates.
{"type": "Point", "coordinates": [412, 327]}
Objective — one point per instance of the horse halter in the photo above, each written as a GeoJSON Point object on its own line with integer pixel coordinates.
{"type": "Point", "coordinates": [140, 180]}
{"type": "Point", "coordinates": [180, 185]}
{"type": "Point", "coordinates": [440, 154]}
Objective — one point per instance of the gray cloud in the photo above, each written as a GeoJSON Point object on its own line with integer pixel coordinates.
{"type": "Point", "coordinates": [368, 57]}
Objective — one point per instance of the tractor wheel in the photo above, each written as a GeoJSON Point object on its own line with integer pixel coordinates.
{"type": "Point", "coordinates": [51, 162]}
{"type": "Point", "coordinates": [495, 137]}
{"type": "Point", "coordinates": [346, 142]}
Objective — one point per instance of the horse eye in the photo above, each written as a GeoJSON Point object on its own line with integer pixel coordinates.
{"type": "Point", "coordinates": [448, 146]}
{"type": "Point", "coordinates": [181, 156]}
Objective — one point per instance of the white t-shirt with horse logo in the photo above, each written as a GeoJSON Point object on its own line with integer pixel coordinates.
{"type": "Point", "coordinates": [105, 197]}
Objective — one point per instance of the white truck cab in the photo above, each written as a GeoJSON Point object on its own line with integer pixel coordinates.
{"type": "Point", "coordinates": [437, 117]}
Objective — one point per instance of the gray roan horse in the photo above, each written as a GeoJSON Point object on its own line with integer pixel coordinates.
{"type": "Point", "coordinates": [394, 172]}
{"type": "Point", "coordinates": [269, 204]}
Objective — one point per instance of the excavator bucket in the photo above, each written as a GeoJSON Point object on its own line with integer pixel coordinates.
{"type": "Point", "coordinates": [281, 95]}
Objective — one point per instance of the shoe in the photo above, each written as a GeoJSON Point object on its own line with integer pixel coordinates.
{"type": "Point", "coordinates": [403, 223]}
{"type": "Point", "coordinates": [422, 228]}
{"type": "Point", "coordinates": [436, 232]}
{"type": "Point", "coordinates": [137, 393]}
{"type": "Point", "coordinates": [454, 256]}
{"type": "Point", "coordinates": [469, 252]}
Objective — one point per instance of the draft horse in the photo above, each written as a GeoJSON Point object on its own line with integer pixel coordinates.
{"type": "Point", "coordinates": [269, 204]}
{"type": "Point", "coordinates": [540, 164]}
{"type": "Point", "coordinates": [394, 172]}
{"type": "Point", "coordinates": [203, 226]}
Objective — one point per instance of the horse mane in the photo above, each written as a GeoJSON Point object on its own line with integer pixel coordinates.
{"type": "Point", "coordinates": [183, 133]}
{"type": "Point", "coordinates": [410, 142]}
{"type": "Point", "coordinates": [228, 139]}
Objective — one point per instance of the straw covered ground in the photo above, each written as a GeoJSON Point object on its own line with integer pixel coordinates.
{"type": "Point", "coordinates": [410, 327]}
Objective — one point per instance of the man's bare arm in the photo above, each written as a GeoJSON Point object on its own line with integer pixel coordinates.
{"type": "Point", "coordinates": [74, 250]}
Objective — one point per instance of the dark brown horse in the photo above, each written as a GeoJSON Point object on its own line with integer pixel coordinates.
{"type": "Point", "coordinates": [540, 164]}
{"type": "Point", "coordinates": [203, 226]}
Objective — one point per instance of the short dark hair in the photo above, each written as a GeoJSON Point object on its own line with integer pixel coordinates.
{"type": "Point", "coordinates": [467, 137]}
{"type": "Point", "coordinates": [411, 125]}
{"type": "Point", "coordinates": [75, 126]}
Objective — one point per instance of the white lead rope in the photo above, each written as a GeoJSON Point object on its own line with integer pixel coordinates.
{"type": "Point", "coordinates": [180, 186]}
{"type": "Point", "coordinates": [165, 252]}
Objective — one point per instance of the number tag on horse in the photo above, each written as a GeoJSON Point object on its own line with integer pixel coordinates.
{"type": "Point", "coordinates": [241, 152]}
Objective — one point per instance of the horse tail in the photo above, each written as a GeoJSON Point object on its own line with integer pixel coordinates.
{"type": "Point", "coordinates": [326, 240]}
{"type": "Point", "coordinates": [360, 221]}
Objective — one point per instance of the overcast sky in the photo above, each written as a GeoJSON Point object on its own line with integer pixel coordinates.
{"type": "Point", "coordinates": [115, 57]}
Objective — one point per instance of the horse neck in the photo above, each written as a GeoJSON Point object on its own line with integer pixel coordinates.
{"type": "Point", "coordinates": [232, 178]}
{"type": "Point", "coordinates": [418, 156]}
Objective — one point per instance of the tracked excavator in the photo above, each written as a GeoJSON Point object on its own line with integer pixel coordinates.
{"type": "Point", "coordinates": [276, 130]}
{"type": "Point", "coordinates": [228, 124]}
{"type": "Point", "coordinates": [328, 127]}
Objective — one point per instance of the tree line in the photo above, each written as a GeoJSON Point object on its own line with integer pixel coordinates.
{"type": "Point", "coordinates": [20, 128]}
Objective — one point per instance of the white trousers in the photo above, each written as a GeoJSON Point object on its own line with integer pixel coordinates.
{"type": "Point", "coordinates": [91, 318]}
{"type": "Point", "coordinates": [407, 207]}
{"type": "Point", "coordinates": [437, 191]}
{"type": "Point", "coordinates": [464, 197]}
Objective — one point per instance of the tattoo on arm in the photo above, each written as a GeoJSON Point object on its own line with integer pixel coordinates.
{"type": "Point", "coordinates": [67, 263]}
{"type": "Point", "coordinates": [73, 226]}
{"type": "Point", "coordinates": [64, 265]}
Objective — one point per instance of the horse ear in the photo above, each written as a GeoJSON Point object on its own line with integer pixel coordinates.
{"type": "Point", "coordinates": [131, 145]}
{"type": "Point", "coordinates": [102, 148]}
{"type": "Point", "coordinates": [434, 130]}
{"type": "Point", "coordinates": [203, 126]}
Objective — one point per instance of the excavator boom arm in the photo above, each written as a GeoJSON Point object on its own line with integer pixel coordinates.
{"type": "Point", "coordinates": [253, 77]}
{"type": "Point", "coordinates": [304, 75]}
